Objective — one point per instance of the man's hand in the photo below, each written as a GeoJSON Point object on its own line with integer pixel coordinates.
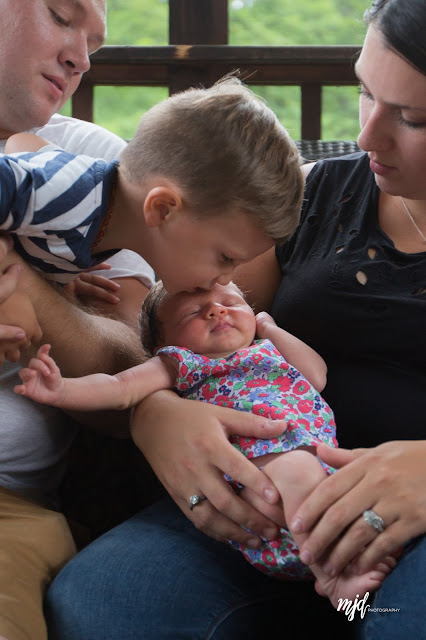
{"type": "Point", "coordinates": [19, 326]}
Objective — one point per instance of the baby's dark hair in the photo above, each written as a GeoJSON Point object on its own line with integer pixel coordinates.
{"type": "Point", "coordinates": [149, 324]}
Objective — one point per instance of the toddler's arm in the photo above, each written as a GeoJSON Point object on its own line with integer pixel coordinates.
{"type": "Point", "coordinates": [43, 382]}
{"type": "Point", "coordinates": [24, 142]}
{"type": "Point", "coordinates": [297, 353]}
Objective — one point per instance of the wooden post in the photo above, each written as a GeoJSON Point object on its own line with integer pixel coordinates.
{"type": "Point", "coordinates": [195, 22]}
{"type": "Point", "coordinates": [82, 101]}
{"type": "Point", "coordinates": [198, 21]}
{"type": "Point", "coordinates": [311, 111]}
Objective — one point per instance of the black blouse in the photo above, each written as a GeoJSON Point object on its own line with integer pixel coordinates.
{"type": "Point", "coordinates": [360, 302]}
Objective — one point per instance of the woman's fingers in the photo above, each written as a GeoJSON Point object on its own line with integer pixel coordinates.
{"type": "Point", "coordinates": [214, 523]}
{"type": "Point", "coordinates": [323, 504]}
{"type": "Point", "coordinates": [388, 479]}
{"type": "Point", "coordinates": [236, 466]}
{"type": "Point", "coordinates": [197, 458]}
{"type": "Point", "coordinates": [338, 457]}
{"type": "Point", "coordinates": [383, 545]}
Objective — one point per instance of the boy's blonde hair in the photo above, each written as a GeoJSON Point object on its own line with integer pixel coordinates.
{"type": "Point", "coordinates": [227, 151]}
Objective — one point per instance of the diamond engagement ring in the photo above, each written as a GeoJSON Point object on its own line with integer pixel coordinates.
{"type": "Point", "coordinates": [194, 500]}
{"type": "Point", "coordinates": [373, 519]}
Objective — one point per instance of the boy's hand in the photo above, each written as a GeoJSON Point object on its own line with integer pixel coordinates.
{"type": "Point", "coordinates": [19, 325]}
{"type": "Point", "coordinates": [88, 286]}
{"type": "Point", "coordinates": [42, 380]}
{"type": "Point", "coordinates": [263, 322]}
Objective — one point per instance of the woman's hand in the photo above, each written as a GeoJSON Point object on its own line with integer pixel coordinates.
{"type": "Point", "coordinates": [390, 479]}
{"type": "Point", "coordinates": [88, 287]}
{"type": "Point", "coordinates": [186, 444]}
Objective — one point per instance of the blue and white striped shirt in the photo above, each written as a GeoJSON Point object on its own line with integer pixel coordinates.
{"type": "Point", "coordinates": [54, 203]}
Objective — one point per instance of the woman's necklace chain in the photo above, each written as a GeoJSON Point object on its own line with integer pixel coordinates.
{"type": "Point", "coordinates": [412, 219]}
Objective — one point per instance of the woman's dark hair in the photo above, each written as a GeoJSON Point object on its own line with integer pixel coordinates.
{"type": "Point", "coordinates": [403, 25]}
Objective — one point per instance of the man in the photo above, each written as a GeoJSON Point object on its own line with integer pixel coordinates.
{"type": "Point", "coordinates": [44, 50]}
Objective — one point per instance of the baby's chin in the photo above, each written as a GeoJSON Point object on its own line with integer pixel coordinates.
{"type": "Point", "coordinates": [227, 351]}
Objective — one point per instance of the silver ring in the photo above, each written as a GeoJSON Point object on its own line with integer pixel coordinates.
{"type": "Point", "coordinates": [374, 520]}
{"type": "Point", "coordinates": [194, 500]}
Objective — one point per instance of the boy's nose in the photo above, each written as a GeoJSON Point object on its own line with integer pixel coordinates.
{"type": "Point", "coordinates": [223, 279]}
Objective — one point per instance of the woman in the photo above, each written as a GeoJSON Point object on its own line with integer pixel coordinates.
{"type": "Point", "coordinates": [351, 283]}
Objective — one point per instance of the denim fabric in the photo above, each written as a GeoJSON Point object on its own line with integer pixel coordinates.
{"type": "Point", "coordinates": [403, 589]}
{"type": "Point", "coordinates": [156, 577]}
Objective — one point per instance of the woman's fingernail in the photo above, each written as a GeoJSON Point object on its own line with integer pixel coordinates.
{"type": "Point", "coordinates": [328, 569]}
{"type": "Point", "coordinates": [306, 557]}
{"type": "Point", "coordinates": [253, 543]}
{"type": "Point", "coordinates": [269, 534]}
{"type": "Point", "coordinates": [296, 525]}
{"type": "Point", "coordinates": [20, 335]}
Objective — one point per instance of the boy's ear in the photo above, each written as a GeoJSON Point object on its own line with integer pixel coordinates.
{"type": "Point", "coordinates": [161, 203]}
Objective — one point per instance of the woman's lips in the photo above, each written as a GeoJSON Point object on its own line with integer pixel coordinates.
{"type": "Point", "coordinates": [379, 168]}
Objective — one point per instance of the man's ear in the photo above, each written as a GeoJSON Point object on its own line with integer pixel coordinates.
{"type": "Point", "coordinates": [161, 203]}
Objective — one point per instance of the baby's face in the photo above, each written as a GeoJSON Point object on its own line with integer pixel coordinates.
{"type": "Point", "coordinates": [214, 323]}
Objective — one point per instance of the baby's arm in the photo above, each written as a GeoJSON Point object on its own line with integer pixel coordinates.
{"type": "Point", "coordinates": [24, 142]}
{"type": "Point", "coordinates": [43, 382]}
{"type": "Point", "coordinates": [297, 353]}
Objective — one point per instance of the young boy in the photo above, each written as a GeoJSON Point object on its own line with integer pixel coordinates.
{"type": "Point", "coordinates": [210, 180]}
{"type": "Point", "coordinates": [216, 359]}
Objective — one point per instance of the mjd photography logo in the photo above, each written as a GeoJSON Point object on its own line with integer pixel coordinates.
{"type": "Point", "coordinates": [350, 607]}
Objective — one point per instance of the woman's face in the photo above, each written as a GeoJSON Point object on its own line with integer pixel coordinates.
{"type": "Point", "coordinates": [392, 118]}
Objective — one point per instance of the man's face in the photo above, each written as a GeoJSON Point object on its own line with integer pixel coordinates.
{"type": "Point", "coordinates": [44, 50]}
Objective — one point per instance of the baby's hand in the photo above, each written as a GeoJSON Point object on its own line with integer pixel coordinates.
{"type": "Point", "coordinates": [42, 380]}
{"type": "Point", "coordinates": [263, 322]}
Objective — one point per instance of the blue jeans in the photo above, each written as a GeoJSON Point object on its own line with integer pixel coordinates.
{"type": "Point", "coordinates": [156, 577]}
{"type": "Point", "coordinates": [403, 589]}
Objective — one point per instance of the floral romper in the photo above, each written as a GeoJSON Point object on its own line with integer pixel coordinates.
{"type": "Point", "coordinates": [259, 380]}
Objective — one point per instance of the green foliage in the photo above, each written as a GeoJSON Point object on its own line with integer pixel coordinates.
{"type": "Point", "coordinates": [262, 22]}
{"type": "Point", "coordinates": [285, 22]}
{"type": "Point", "coordinates": [138, 22]}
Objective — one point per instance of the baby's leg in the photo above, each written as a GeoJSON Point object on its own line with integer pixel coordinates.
{"type": "Point", "coordinates": [308, 468]}
{"type": "Point", "coordinates": [295, 475]}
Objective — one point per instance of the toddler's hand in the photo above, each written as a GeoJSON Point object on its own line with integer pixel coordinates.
{"type": "Point", "coordinates": [263, 322]}
{"type": "Point", "coordinates": [42, 380]}
{"type": "Point", "coordinates": [90, 286]}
